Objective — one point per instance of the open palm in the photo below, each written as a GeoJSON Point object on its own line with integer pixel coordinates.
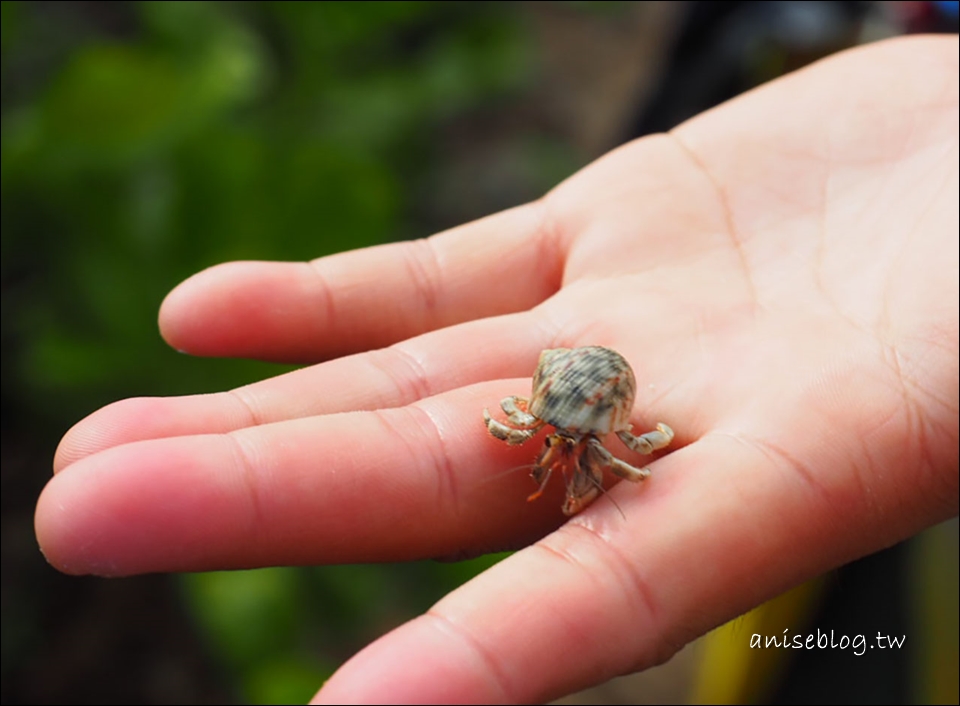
{"type": "Point", "coordinates": [782, 273]}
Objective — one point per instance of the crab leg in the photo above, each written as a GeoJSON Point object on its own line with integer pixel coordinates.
{"type": "Point", "coordinates": [541, 474]}
{"type": "Point", "coordinates": [509, 434]}
{"type": "Point", "coordinates": [598, 455]}
{"type": "Point", "coordinates": [584, 485]}
{"type": "Point", "coordinates": [649, 442]}
{"type": "Point", "coordinates": [556, 452]}
{"type": "Point", "coordinates": [516, 410]}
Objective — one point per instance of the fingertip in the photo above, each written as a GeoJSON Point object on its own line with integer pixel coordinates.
{"type": "Point", "coordinates": [124, 421]}
{"type": "Point", "coordinates": [44, 528]}
{"type": "Point", "coordinates": [61, 535]}
{"type": "Point", "coordinates": [93, 433]}
{"type": "Point", "coordinates": [190, 312]}
{"type": "Point", "coordinates": [143, 507]}
{"type": "Point", "coordinates": [265, 310]}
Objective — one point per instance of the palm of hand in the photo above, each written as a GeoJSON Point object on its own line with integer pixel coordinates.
{"type": "Point", "coordinates": [786, 291]}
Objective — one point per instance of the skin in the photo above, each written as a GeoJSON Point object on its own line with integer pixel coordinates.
{"type": "Point", "coordinates": [783, 273]}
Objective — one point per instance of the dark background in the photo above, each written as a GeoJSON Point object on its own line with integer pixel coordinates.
{"type": "Point", "coordinates": [144, 142]}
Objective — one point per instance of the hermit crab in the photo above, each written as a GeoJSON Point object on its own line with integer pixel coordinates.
{"type": "Point", "coordinates": [585, 393]}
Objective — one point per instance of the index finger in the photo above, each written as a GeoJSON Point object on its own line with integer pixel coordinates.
{"type": "Point", "coordinates": [369, 298]}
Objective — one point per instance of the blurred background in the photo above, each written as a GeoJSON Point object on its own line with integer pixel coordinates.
{"type": "Point", "coordinates": [142, 142]}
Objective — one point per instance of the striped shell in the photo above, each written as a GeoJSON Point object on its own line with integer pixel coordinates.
{"type": "Point", "coordinates": [586, 390]}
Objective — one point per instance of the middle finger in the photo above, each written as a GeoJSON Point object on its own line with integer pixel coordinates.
{"type": "Point", "coordinates": [505, 346]}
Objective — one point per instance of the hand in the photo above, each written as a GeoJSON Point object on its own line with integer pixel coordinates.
{"type": "Point", "coordinates": [782, 272]}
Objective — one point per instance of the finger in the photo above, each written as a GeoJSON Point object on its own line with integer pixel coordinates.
{"type": "Point", "coordinates": [365, 299]}
{"type": "Point", "coordinates": [500, 347]}
{"type": "Point", "coordinates": [720, 527]}
{"type": "Point", "coordinates": [412, 482]}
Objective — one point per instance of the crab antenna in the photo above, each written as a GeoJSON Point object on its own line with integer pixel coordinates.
{"type": "Point", "coordinates": [504, 474]}
{"type": "Point", "coordinates": [603, 490]}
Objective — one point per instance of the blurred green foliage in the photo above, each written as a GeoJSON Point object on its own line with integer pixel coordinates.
{"type": "Point", "coordinates": [144, 142]}
{"type": "Point", "coordinates": [210, 132]}
{"type": "Point", "coordinates": [284, 631]}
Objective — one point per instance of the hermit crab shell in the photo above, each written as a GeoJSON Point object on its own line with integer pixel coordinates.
{"type": "Point", "coordinates": [586, 390]}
